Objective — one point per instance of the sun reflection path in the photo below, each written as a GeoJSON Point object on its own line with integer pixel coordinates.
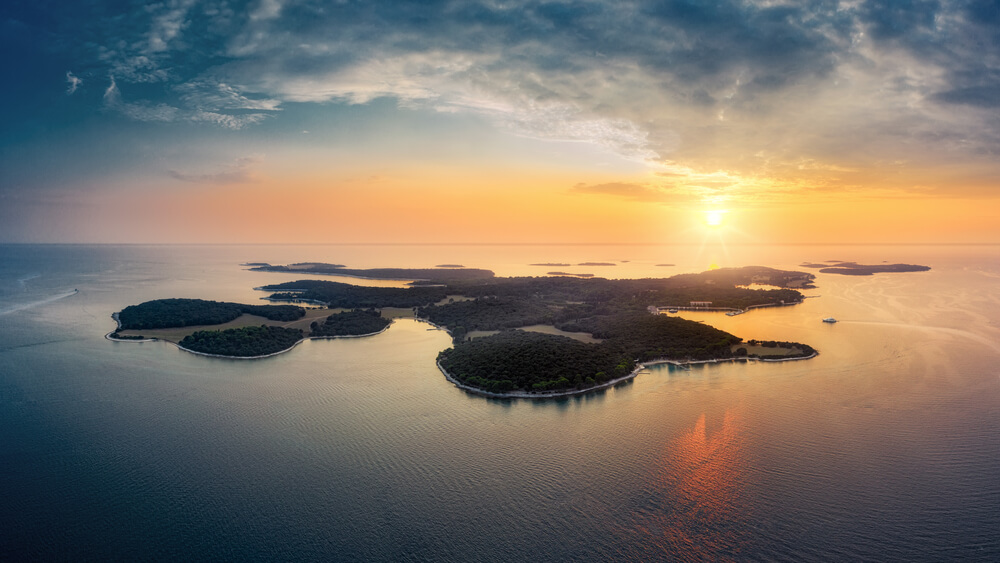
{"type": "Point", "coordinates": [703, 513]}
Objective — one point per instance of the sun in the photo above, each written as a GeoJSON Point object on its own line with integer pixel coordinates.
{"type": "Point", "coordinates": [713, 218]}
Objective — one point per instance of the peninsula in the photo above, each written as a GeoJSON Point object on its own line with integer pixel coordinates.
{"type": "Point", "coordinates": [518, 336]}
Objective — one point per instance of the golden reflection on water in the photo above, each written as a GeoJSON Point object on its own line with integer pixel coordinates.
{"type": "Point", "coordinates": [701, 478]}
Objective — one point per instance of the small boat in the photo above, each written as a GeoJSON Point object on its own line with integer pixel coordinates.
{"type": "Point", "coordinates": [734, 313]}
{"type": "Point", "coordinates": [830, 320]}
{"type": "Point", "coordinates": [671, 311]}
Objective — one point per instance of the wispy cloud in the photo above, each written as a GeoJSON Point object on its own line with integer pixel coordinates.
{"type": "Point", "coordinates": [167, 26]}
{"type": "Point", "coordinates": [238, 172]}
{"type": "Point", "coordinates": [206, 95]}
{"type": "Point", "coordinates": [73, 81]}
{"type": "Point", "coordinates": [112, 97]}
{"type": "Point", "coordinates": [146, 111]}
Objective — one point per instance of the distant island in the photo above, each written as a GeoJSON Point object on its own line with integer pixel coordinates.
{"type": "Point", "coordinates": [597, 264]}
{"type": "Point", "coordinates": [512, 337]}
{"type": "Point", "coordinates": [551, 264]}
{"type": "Point", "coordinates": [440, 274]}
{"type": "Point", "coordinates": [570, 274]}
{"type": "Point", "coordinates": [666, 264]}
{"type": "Point", "coordinates": [855, 269]}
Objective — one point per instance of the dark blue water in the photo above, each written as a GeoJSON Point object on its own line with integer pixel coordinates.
{"type": "Point", "coordinates": [885, 447]}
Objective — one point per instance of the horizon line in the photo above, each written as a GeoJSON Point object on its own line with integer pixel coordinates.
{"type": "Point", "coordinates": [498, 244]}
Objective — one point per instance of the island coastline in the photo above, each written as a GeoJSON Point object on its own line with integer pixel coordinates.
{"type": "Point", "coordinates": [504, 364]}
{"type": "Point", "coordinates": [543, 395]}
{"type": "Point", "coordinates": [110, 337]}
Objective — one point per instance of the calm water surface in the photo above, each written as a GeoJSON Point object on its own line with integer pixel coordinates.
{"type": "Point", "coordinates": [885, 447]}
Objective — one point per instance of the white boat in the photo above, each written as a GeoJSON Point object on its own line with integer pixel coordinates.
{"type": "Point", "coordinates": [671, 310]}
{"type": "Point", "coordinates": [734, 313]}
{"type": "Point", "coordinates": [830, 320]}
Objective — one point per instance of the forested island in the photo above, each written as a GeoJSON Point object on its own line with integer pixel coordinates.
{"type": "Point", "coordinates": [612, 316]}
{"type": "Point", "coordinates": [156, 318]}
{"type": "Point", "coordinates": [855, 269]}
{"type": "Point", "coordinates": [442, 273]}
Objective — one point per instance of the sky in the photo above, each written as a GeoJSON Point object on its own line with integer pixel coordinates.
{"type": "Point", "coordinates": [278, 121]}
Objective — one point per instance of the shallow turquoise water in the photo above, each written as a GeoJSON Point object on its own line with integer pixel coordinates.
{"type": "Point", "coordinates": [886, 446]}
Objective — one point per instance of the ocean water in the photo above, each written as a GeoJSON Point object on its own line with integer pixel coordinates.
{"type": "Point", "coordinates": [884, 447]}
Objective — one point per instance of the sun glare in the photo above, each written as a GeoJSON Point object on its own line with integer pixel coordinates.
{"type": "Point", "coordinates": [714, 217]}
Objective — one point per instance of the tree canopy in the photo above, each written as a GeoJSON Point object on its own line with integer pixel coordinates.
{"type": "Point", "coordinates": [350, 323]}
{"type": "Point", "coordinates": [244, 342]}
{"type": "Point", "coordinates": [168, 313]}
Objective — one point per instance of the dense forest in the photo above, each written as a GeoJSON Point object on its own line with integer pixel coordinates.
{"type": "Point", "coordinates": [167, 313]}
{"type": "Point", "coordinates": [721, 290]}
{"type": "Point", "coordinates": [446, 273]}
{"type": "Point", "coordinates": [855, 269]}
{"type": "Point", "coordinates": [646, 337]}
{"type": "Point", "coordinates": [511, 311]}
{"type": "Point", "coordinates": [805, 350]}
{"type": "Point", "coordinates": [612, 310]}
{"type": "Point", "coordinates": [529, 361]}
{"type": "Point", "coordinates": [243, 342]}
{"type": "Point", "coordinates": [561, 298]}
{"type": "Point", "coordinates": [350, 323]}
{"type": "Point", "coordinates": [490, 314]}
{"type": "Point", "coordinates": [347, 296]}
{"type": "Point", "coordinates": [526, 361]}
{"type": "Point", "coordinates": [724, 297]}
{"type": "Point", "coordinates": [745, 275]}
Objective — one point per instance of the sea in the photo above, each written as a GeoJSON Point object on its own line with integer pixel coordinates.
{"type": "Point", "coordinates": [885, 447]}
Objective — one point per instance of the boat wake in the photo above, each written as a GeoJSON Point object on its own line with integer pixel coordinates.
{"type": "Point", "coordinates": [40, 302]}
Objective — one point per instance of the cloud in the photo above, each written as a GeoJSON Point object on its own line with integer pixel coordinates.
{"type": "Point", "coordinates": [205, 95]}
{"type": "Point", "coordinates": [266, 10]}
{"type": "Point", "coordinates": [146, 111]}
{"type": "Point", "coordinates": [137, 111]}
{"type": "Point", "coordinates": [789, 92]}
{"type": "Point", "coordinates": [112, 97]}
{"type": "Point", "coordinates": [239, 172]}
{"type": "Point", "coordinates": [167, 26]}
{"type": "Point", "coordinates": [73, 81]}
